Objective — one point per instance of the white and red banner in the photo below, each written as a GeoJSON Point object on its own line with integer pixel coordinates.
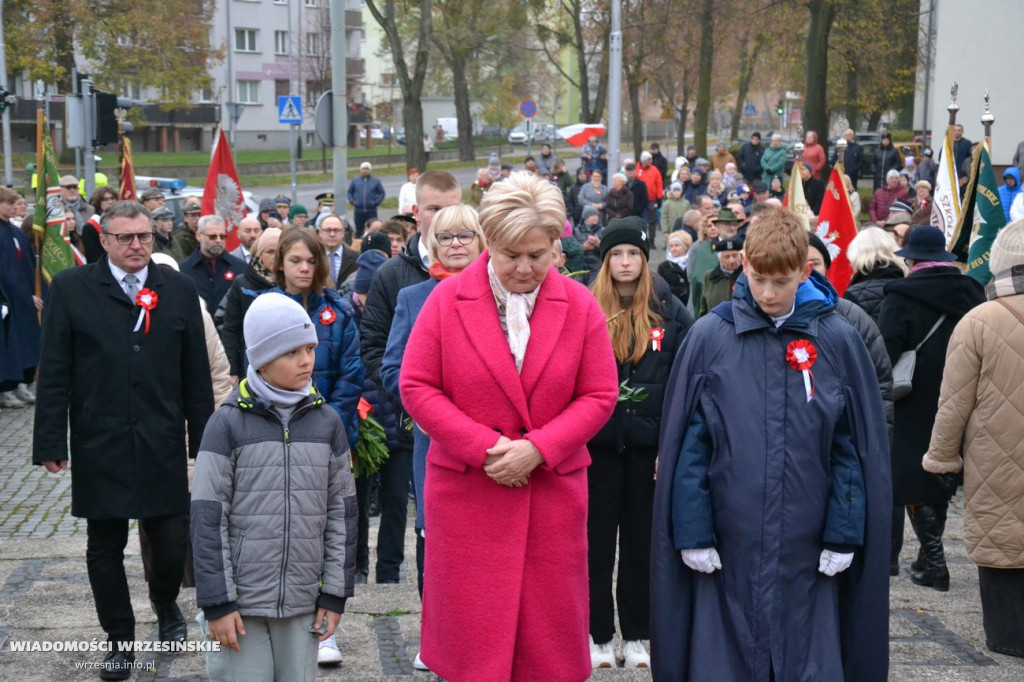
{"type": "Point", "coordinates": [946, 204]}
{"type": "Point", "coordinates": [836, 228]}
{"type": "Point", "coordinates": [222, 193]}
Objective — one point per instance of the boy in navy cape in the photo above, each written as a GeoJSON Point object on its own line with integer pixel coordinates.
{"type": "Point", "coordinates": [773, 502]}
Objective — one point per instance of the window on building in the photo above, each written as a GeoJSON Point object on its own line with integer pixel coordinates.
{"type": "Point", "coordinates": [281, 42]}
{"type": "Point", "coordinates": [245, 39]}
{"type": "Point", "coordinates": [280, 2]}
{"type": "Point", "coordinates": [248, 92]}
{"type": "Point", "coordinates": [314, 41]}
{"type": "Point", "coordinates": [312, 3]}
{"type": "Point", "coordinates": [313, 91]}
{"type": "Point", "coordinates": [281, 89]}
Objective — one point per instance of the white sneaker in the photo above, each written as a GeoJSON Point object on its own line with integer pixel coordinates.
{"type": "Point", "coordinates": [328, 653]}
{"type": "Point", "coordinates": [25, 394]}
{"type": "Point", "coordinates": [9, 399]}
{"type": "Point", "coordinates": [635, 654]}
{"type": "Point", "coordinates": [602, 655]}
{"type": "Point", "coordinates": [418, 663]}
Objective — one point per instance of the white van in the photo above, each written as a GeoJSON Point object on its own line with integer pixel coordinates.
{"type": "Point", "coordinates": [450, 126]}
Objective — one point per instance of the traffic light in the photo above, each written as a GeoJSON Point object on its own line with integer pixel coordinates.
{"type": "Point", "coordinates": [780, 108]}
{"type": "Point", "coordinates": [7, 99]}
{"type": "Point", "coordinates": [106, 122]}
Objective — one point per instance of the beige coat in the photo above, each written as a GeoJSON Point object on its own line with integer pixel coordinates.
{"type": "Point", "coordinates": [981, 404]}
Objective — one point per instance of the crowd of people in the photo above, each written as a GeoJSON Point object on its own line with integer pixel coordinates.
{"type": "Point", "coordinates": [720, 431]}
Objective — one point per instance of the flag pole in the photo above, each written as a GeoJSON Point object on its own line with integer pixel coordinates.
{"type": "Point", "coordinates": [952, 109]}
{"type": "Point", "coordinates": [987, 119]}
{"type": "Point", "coordinates": [37, 236]}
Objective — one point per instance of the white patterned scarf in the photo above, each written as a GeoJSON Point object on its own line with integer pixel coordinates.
{"type": "Point", "coordinates": [514, 311]}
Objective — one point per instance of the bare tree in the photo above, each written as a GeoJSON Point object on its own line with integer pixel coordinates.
{"type": "Point", "coordinates": [582, 26]}
{"type": "Point", "coordinates": [707, 52]}
{"type": "Point", "coordinates": [409, 80]}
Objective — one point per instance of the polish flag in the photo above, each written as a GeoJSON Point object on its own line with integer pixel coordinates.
{"type": "Point", "coordinates": [222, 194]}
{"type": "Point", "coordinates": [836, 228]}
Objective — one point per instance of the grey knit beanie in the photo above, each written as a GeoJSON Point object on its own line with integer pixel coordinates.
{"type": "Point", "coordinates": [274, 325]}
{"type": "Point", "coordinates": [1008, 248]}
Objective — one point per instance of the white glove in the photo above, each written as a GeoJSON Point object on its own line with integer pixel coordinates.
{"type": "Point", "coordinates": [831, 562]}
{"type": "Point", "coordinates": [705, 560]}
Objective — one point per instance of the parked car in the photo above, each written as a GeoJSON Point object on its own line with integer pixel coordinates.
{"type": "Point", "coordinates": [400, 136]}
{"type": "Point", "coordinates": [530, 132]}
{"type": "Point", "coordinates": [491, 131]}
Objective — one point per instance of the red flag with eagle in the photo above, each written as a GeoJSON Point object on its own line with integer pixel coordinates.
{"type": "Point", "coordinates": [127, 188]}
{"type": "Point", "coordinates": [837, 227]}
{"type": "Point", "coordinates": [222, 194]}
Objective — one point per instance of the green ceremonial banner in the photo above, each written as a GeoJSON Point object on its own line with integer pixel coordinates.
{"type": "Point", "coordinates": [959, 243]}
{"type": "Point", "coordinates": [989, 218]}
{"type": "Point", "coordinates": [55, 253]}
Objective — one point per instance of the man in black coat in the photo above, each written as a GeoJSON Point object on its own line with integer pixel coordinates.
{"type": "Point", "coordinates": [434, 190]}
{"type": "Point", "coordinates": [749, 160]}
{"type": "Point", "coordinates": [124, 357]}
{"type": "Point", "coordinates": [210, 267]}
{"type": "Point", "coordinates": [853, 158]}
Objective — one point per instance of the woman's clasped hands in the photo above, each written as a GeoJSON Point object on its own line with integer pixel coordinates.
{"type": "Point", "coordinates": [510, 462]}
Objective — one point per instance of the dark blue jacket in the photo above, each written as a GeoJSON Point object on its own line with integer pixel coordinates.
{"type": "Point", "coordinates": [383, 410]}
{"type": "Point", "coordinates": [20, 333]}
{"type": "Point", "coordinates": [337, 368]}
{"type": "Point", "coordinates": [750, 466]}
{"type": "Point", "coordinates": [410, 302]}
{"type": "Point", "coordinates": [365, 193]}
{"type": "Point", "coordinates": [212, 289]}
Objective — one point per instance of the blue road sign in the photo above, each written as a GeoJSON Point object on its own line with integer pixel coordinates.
{"type": "Point", "coordinates": [289, 109]}
{"type": "Point", "coordinates": [750, 110]}
{"type": "Point", "coordinates": [528, 108]}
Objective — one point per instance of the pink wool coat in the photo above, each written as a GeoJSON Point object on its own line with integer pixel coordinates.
{"type": "Point", "coordinates": [505, 577]}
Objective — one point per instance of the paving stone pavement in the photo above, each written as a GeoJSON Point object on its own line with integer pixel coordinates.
{"type": "Point", "coordinates": [45, 597]}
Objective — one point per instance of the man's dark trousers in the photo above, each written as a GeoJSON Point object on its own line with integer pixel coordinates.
{"type": "Point", "coordinates": [362, 217]}
{"type": "Point", "coordinates": [104, 557]}
{"type": "Point", "coordinates": [394, 514]}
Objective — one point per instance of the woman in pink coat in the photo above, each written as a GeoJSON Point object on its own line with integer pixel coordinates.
{"type": "Point", "coordinates": [510, 371]}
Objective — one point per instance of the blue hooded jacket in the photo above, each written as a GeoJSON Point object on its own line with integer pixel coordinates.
{"type": "Point", "coordinates": [750, 466]}
{"type": "Point", "coordinates": [337, 367]}
{"type": "Point", "coordinates": [1007, 195]}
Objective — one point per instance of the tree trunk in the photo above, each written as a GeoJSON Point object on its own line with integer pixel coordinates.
{"type": "Point", "coordinates": [874, 118]}
{"type": "Point", "coordinates": [602, 87]}
{"type": "Point", "coordinates": [707, 45]}
{"type": "Point", "coordinates": [412, 115]}
{"type": "Point", "coordinates": [683, 113]}
{"type": "Point", "coordinates": [743, 86]}
{"type": "Point", "coordinates": [823, 14]}
{"type": "Point", "coordinates": [635, 115]}
{"type": "Point", "coordinates": [64, 42]}
{"type": "Point", "coordinates": [853, 112]}
{"type": "Point", "coordinates": [746, 75]}
{"type": "Point", "coordinates": [457, 63]}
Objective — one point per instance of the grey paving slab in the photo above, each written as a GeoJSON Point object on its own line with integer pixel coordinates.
{"type": "Point", "coordinates": [45, 597]}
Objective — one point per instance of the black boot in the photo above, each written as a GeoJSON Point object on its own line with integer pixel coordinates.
{"type": "Point", "coordinates": [931, 521]}
{"type": "Point", "coordinates": [170, 622]}
{"type": "Point", "coordinates": [919, 563]}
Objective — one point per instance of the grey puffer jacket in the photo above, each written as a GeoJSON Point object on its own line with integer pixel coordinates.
{"type": "Point", "coordinates": [273, 511]}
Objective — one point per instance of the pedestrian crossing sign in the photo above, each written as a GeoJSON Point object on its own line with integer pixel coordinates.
{"type": "Point", "coordinates": [289, 109]}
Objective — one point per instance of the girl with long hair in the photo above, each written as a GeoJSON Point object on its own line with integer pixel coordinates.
{"type": "Point", "coordinates": [646, 324]}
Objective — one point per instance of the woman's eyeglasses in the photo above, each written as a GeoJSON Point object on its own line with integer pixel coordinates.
{"type": "Point", "coordinates": [446, 238]}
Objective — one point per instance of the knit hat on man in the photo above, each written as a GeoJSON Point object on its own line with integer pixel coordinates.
{"type": "Point", "coordinates": [274, 325]}
{"type": "Point", "coordinates": [1008, 248]}
{"type": "Point", "coordinates": [368, 263]}
{"type": "Point", "coordinates": [589, 211]}
{"type": "Point", "coordinates": [625, 231]}
{"type": "Point", "coordinates": [297, 209]}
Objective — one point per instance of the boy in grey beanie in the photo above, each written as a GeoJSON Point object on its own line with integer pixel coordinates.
{"type": "Point", "coordinates": [273, 470]}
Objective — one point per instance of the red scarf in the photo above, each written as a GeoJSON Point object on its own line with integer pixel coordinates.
{"type": "Point", "coordinates": [440, 272]}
